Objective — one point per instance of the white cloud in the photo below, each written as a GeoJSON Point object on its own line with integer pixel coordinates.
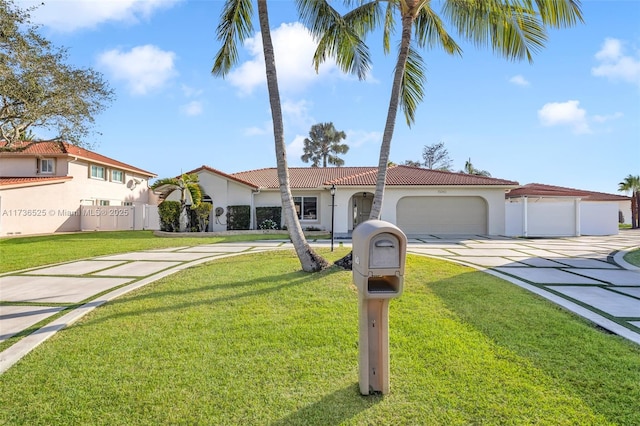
{"type": "Point", "coordinates": [193, 108]}
{"type": "Point", "coordinates": [564, 114]}
{"type": "Point", "coordinates": [294, 48]}
{"type": "Point", "coordinates": [71, 15]}
{"type": "Point", "coordinates": [191, 92]}
{"type": "Point", "coordinates": [357, 138]}
{"type": "Point", "coordinates": [519, 80]}
{"type": "Point", "coordinates": [295, 149]}
{"type": "Point", "coordinates": [608, 117]}
{"type": "Point", "coordinates": [143, 68]}
{"type": "Point", "coordinates": [615, 65]}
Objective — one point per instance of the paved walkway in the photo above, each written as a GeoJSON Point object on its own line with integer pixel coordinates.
{"type": "Point", "coordinates": [585, 275]}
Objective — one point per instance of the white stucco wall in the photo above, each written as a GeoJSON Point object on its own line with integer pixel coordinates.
{"type": "Point", "coordinates": [558, 217]}
{"type": "Point", "coordinates": [55, 207]}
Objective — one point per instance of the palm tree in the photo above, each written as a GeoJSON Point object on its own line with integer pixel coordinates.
{"type": "Point", "coordinates": [190, 194]}
{"type": "Point", "coordinates": [235, 26]}
{"type": "Point", "coordinates": [632, 184]}
{"type": "Point", "coordinates": [471, 170]}
{"type": "Point", "coordinates": [513, 28]}
{"type": "Point", "coordinates": [323, 144]}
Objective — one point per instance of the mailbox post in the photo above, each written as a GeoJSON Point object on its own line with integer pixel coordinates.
{"type": "Point", "coordinates": [379, 253]}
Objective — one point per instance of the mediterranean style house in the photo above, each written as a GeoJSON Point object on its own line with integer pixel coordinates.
{"type": "Point", "coordinates": [419, 201]}
{"type": "Point", "coordinates": [58, 187]}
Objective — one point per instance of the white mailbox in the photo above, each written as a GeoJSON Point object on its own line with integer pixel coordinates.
{"type": "Point", "coordinates": [379, 253]}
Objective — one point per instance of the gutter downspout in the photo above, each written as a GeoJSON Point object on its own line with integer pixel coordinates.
{"type": "Point", "coordinates": [525, 216]}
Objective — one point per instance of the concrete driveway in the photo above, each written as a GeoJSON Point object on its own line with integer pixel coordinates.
{"type": "Point", "coordinates": [585, 275]}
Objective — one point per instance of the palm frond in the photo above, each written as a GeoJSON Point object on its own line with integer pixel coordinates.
{"type": "Point", "coordinates": [508, 27]}
{"type": "Point", "coordinates": [430, 32]}
{"type": "Point", "coordinates": [557, 13]}
{"type": "Point", "coordinates": [413, 83]}
{"type": "Point", "coordinates": [234, 27]}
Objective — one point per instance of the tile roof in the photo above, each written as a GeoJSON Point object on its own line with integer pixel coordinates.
{"type": "Point", "coordinates": [7, 182]}
{"type": "Point", "coordinates": [56, 148]}
{"type": "Point", "coordinates": [541, 190]}
{"type": "Point", "coordinates": [223, 174]}
{"type": "Point", "coordinates": [315, 177]}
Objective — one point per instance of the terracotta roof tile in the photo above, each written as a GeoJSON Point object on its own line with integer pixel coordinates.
{"type": "Point", "coordinates": [541, 190]}
{"type": "Point", "coordinates": [32, 181]}
{"type": "Point", "coordinates": [315, 177]}
{"type": "Point", "coordinates": [223, 174]}
{"type": "Point", "coordinates": [56, 148]}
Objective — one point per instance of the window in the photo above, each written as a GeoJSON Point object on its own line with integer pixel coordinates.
{"type": "Point", "coordinates": [117, 176]}
{"type": "Point", "coordinates": [102, 202]}
{"type": "Point", "coordinates": [46, 166]}
{"type": "Point", "coordinates": [97, 172]}
{"type": "Point", "coordinates": [306, 207]}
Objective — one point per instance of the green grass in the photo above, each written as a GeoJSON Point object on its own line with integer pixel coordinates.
{"type": "Point", "coordinates": [252, 340]}
{"type": "Point", "coordinates": [633, 257]}
{"type": "Point", "coordinates": [27, 252]}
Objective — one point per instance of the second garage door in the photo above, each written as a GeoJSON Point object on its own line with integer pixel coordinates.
{"type": "Point", "coordinates": [442, 215]}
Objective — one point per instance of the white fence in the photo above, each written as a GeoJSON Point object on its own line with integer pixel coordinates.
{"type": "Point", "coordinates": [560, 218]}
{"type": "Point", "coordinates": [119, 218]}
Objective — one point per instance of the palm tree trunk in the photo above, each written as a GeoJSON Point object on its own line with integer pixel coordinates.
{"type": "Point", "coordinates": [385, 146]}
{"type": "Point", "coordinates": [635, 210]}
{"type": "Point", "coordinates": [309, 259]}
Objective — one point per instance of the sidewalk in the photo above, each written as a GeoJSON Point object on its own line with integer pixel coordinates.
{"type": "Point", "coordinates": [583, 274]}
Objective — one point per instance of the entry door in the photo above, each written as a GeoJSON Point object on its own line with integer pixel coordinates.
{"type": "Point", "coordinates": [361, 208]}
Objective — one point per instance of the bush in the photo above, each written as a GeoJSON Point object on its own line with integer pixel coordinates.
{"type": "Point", "coordinates": [169, 212]}
{"type": "Point", "coordinates": [273, 214]}
{"type": "Point", "coordinates": [268, 224]}
{"type": "Point", "coordinates": [202, 213]}
{"type": "Point", "coordinates": [238, 218]}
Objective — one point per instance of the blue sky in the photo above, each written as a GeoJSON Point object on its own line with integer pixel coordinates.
{"type": "Point", "coordinates": [572, 118]}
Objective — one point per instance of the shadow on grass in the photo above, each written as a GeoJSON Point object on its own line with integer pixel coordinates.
{"type": "Point", "coordinates": [332, 409]}
{"type": "Point", "coordinates": [259, 287]}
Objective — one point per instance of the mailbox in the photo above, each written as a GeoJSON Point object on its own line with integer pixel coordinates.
{"type": "Point", "coordinates": [379, 253]}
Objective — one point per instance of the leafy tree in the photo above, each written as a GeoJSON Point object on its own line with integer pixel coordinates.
{"type": "Point", "coordinates": [471, 170]}
{"type": "Point", "coordinates": [323, 145]}
{"type": "Point", "coordinates": [190, 194]}
{"type": "Point", "coordinates": [436, 157]}
{"type": "Point", "coordinates": [38, 89]}
{"type": "Point", "coordinates": [411, 163]}
{"type": "Point", "coordinates": [631, 184]}
{"type": "Point", "coordinates": [515, 29]}
{"type": "Point", "coordinates": [234, 27]}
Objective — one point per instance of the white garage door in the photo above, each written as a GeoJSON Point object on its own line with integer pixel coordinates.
{"type": "Point", "coordinates": [442, 215]}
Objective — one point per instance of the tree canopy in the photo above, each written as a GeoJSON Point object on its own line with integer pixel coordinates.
{"type": "Point", "coordinates": [436, 157]}
{"type": "Point", "coordinates": [323, 145]}
{"type": "Point", "coordinates": [39, 89]}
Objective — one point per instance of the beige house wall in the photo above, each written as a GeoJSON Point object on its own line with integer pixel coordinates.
{"type": "Point", "coordinates": [56, 207]}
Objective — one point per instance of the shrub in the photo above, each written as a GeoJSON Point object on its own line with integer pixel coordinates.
{"type": "Point", "coordinates": [269, 213]}
{"type": "Point", "coordinates": [268, 224]}
{"type": "Point", "coordinates": [238, 218]}
{"type": "Point", "coordinates": [169, 212]}
{"type": "Point", "coordinates": [202, 213]}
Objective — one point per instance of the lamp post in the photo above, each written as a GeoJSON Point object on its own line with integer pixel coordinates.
{"type": "Point", "coordinates": [333, 208]}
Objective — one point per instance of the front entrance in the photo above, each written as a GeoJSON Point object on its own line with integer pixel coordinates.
{"type": "Point", "coordinates": [361, 207]}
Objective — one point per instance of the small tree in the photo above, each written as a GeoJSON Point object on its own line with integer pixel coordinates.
{"type": "Point", "coordinates": [471, 170]}
{"type": "Point", "coordinates": [38, 89]}
{"type": "Point", "coordinates": [323, 145]}
{"type": "Point", "coordinates": [411, 163]}
{"type": "Point", "coordinates": [436, 157]}
{"type": "Point", "coordinates": [631, 184]}
{"type": "Point", "coordinates": [190, 194]}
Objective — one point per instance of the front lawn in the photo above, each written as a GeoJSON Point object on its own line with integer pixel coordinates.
{"type": "Point", "coordinates": [26, 252]}
{"type": "Point", "coordinates": [633, 257]}
{"type": "Point", "coordinates": [252, 340]}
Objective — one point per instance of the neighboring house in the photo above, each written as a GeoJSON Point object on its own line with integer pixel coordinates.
{"type": "Point", "coordinates": [536, 210]}
{"type": "Point", "coordinates": [420, 201]}
{"type": "Point", "coordinates": [50, 187]}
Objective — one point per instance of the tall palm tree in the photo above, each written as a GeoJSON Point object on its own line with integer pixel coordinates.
{"type": "Point", "coordinates": [323, 144]}
{"type": "Point", "coordinates": [631, 184]}
{"type": "Point", "coordinates": [235, 26]}
{"type": "Point", "coordinates": [513, 28]}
